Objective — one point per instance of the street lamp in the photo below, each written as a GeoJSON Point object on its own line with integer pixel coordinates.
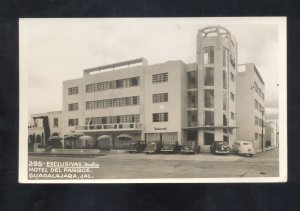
{"type": "Point", "coordinates": [262, 129]}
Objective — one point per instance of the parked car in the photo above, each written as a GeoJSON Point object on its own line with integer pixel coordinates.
{"type": "Point", "coordinates": [170, 147]}
{"type": "Point", "coordinates": [243, 148]}
{"type": "Point", "coordinates": [190, 147]}
{"type": "Point", "coordinates": [153, 147]}
{"type": "Point", "coordinates": [136, 146]}
{"type": "Point", "coordinates": [220, 147]}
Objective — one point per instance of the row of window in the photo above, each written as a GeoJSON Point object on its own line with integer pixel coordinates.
{"type": "Point", "coordinates": [119, 102]}
{"type": "Point", "coordinates": [259, 91]}
{"type": "Point", "coordinates": [258, 106]}
{"type": "Point", "coordinates": [133, 118]}
{"type": "Point", "coordinates": [121, 83]}
{"type": "Point", "coordinates": [159, 78]}
{"type": "Point", "coordinates": [116, 102]}
{"type": "Point", "coordinates": [160, 117]}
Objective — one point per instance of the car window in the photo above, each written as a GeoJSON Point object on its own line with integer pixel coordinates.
{"type": "Point", "coordinates": [245, 143]}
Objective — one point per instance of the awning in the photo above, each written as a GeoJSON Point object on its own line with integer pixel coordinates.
{"type": "Point", "coordinates": [124, 137]}
{"type": "Point", "coordinates": [103, 137]}
{"type": "Point", "coordinates": [71, 137]}
{"type": "Point", "coordinates": [86, 137]}
{"type": "Point", "coordinates": [55, 138]}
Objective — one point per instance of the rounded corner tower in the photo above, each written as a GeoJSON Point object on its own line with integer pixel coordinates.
{"type": "Point", "coordinates": [217, 69]}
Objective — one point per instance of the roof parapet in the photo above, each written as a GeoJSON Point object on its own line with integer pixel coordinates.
{"type": "Point", "coordinates": [105, 68]}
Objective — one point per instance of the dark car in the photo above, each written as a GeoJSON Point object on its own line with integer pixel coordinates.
{"type": "Point", "coordinates": [220, 147]}
{"type": "Point", "coordinates": [136, 146]}
{"type": "Point", "coordinates": [190, 147]}
{"type": "Point", "coordinates": [153, 147]}
{"type": "Point", "coordinates": [170, 147]}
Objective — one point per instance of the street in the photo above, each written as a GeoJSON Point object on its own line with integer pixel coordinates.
{"type": "Point", "coordinates": [203, 165]}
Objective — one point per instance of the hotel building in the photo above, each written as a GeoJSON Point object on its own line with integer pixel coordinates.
{"type": "Point", "coordinates": [251, 105]}
{"type": "Point", "coordinates": [170, 101]}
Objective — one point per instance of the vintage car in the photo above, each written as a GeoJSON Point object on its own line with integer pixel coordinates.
{"type": "Point", "coordinates": [136, 146]}
{"type": "Point", "coordinates": [190, 147]}
{"type": "Point", "coordinates": [243, 148]}
{"type": "Point", "coordinates": [153, 147]}
{"type": "Point", "coordinates": [220, 147]}
{"type": "Point", "coordinates": [170, 147]}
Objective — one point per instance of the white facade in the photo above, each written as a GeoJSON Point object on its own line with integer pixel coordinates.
{"type": "Point", "coordinates": [250, 105]}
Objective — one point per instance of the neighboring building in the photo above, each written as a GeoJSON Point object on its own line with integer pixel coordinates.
{"type": "Point", "coordinates": [271, 133]}
{"type": "Point", "coordinates": [42, 127]}
{"type": "Point", "coordinates": [171, 101]}
{"type": "Point", "coordinates": [250, 105]}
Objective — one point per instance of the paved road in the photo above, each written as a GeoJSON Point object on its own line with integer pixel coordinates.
{"type": "Point", "coordinates": [203, 165]}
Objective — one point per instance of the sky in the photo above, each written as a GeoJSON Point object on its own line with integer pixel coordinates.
{"type": "Point", "coordinates": [54, 50]}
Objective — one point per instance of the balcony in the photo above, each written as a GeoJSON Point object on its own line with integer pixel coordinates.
{"type": "Point", "coordinates": [35, 129]}
{"type": "Point", "coordinates": [109, 127]}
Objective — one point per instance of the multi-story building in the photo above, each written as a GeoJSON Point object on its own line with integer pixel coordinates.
{"type": "Point", "coordinates": [171, 101]}
{"type": "Point", "coordinates": [271, 133]}
{"type": "Point", "coordinates": [250, 105]}
{"type": "Point", "coordinates": [43, 126]}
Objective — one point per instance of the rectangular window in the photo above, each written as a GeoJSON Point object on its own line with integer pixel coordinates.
{"type": "Point", "coordinates": [209, 118]}
{"type": "Point", "coordinates": [225, 57]}
{"type": "Point", "coordinates": [225, 86]}
{"type": "Point", "coordinates": [209, 76]}
{"type": "Point", "coordinates": [263, 96]}
{"type": "Point", "coordinates": [73, 122]}
{"type": "Point", "coordinates": [159, 78]}
{"type": "Point", "coordinates": [192, 79]}
{"type": "Point", "coordinates": [160, 117]}
{"type": "Point", "coordinates": [208, 55]}
{"type": "Point", "coordinates": [232, 60]}
{"type": "Point", "coordinates": [232, 96]}
{"type": "Point", "coordinates": [232, 116]}
{"type": "Point", "coordinates": [225, 119]}
{"type": "Point", "coordinates": [102, 86]}
{"type": "Point", "coordinates": [255, 87]}
{"type": "Point", "coordinates": [225, 100]}
{"type": "Point", "coordinates": [256, 136]}
{"type": "Point", "coordinates": [256, 120]}
{"type": "Point", "coordinates": [158, 98]}
{"type": "Point", "coordinates": [55, 122]}
{"type": "Point", "coordinates": [98, 104]}
{"type": "Point", "coordinates": [256, 104]}
{"type": "Point", "coordinates": [126, 101]}
{"type": "Point", "coordinates": [209, 137]}
{"type": "Point", "coordinates": [73, 91]}
{"type": "Point", "coordinates": [73, 107]}
{"type": "Point", "coordinates": [209, 98]}
{"type": "Point", "coordinates": [232, 76]}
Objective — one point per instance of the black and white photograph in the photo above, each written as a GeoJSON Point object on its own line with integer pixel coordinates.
{"type": "Point", "coordinates": [153, 100]}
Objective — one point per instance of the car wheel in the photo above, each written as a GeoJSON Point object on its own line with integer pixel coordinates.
{"type": "Point", "coordinates": [251, 155]}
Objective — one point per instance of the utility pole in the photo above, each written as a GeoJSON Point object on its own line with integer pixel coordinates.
{"type": "Point", "coordinates": [262, 130]}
